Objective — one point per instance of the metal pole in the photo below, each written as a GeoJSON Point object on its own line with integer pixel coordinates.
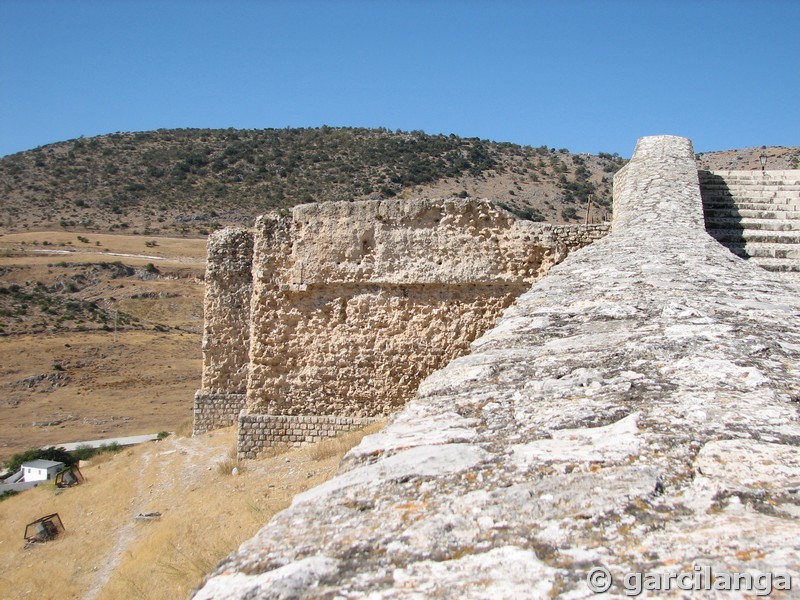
{"type": "Point", "coordinates": [588, 208]}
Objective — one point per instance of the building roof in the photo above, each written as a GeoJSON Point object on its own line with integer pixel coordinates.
{"type": "Point", "coordinates": [41, 463]}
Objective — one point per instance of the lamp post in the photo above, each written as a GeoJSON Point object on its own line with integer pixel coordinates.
{"type": "Point", "coordinates": [763, 159]}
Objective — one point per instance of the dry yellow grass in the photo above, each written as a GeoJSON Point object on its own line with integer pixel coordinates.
{"type": "Point", "coordinates": [142, 383]}
{"type": "Point", "coordinates": [340, 444]}
{"type": "Point", "coordinates": [107, 554]}
{"type": "Point", "coordinates": [64, 245]}
{"type": "Point", "coordinates": [112, 384]}
{"type": "Point", "coordinates": [124, 383]}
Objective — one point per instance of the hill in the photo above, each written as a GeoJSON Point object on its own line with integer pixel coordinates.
{"type": "Point", "coordinates": [747, 159]}
{"type": "Point", "coordinates": [191, 181]}
{"type": "Point", "coordinates": [101, 328]}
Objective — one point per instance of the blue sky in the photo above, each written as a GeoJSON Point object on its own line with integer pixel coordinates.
{"type": "Point", "coordinates": [587, 76]}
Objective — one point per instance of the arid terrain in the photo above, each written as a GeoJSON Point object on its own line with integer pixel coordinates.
{"type": "Point", "coordinates": [206, 512]}
{"type": "Point", "coordinates": [99, 338]}
{"type": "Point", "coordinates": [100, 332]}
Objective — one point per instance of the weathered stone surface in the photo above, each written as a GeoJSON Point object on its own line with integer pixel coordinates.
{"type": "Point", "coordinates": [637, 408]}
{"type": "Point", "coordinates": [344, 294]}
{"type": "Point", "coordinates": [226, 332]}
{"type": "Point", "coordinates": [348, 306]}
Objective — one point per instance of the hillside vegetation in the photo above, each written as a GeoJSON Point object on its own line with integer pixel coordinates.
{"type": "Point", "coordinates": [191, 181]}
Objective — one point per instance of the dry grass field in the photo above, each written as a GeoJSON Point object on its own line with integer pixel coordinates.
{"type": "Point", "coordinates": [41, 247]}
{"type": "Point", "coordinates": [106, 554]}
{"type": "Point", "coordinates": [99, 336]}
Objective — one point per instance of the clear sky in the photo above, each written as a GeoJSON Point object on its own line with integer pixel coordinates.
{"type": "Point", "coordinates": [587, 76]}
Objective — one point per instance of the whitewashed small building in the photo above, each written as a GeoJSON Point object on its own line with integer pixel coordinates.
{"type": "Point", "coordinates": [41, 470]}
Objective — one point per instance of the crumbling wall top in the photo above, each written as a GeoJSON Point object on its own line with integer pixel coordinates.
{"type": "Point", "coordinates": [452, 241]}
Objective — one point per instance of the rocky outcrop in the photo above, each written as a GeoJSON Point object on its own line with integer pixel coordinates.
{"type": "Point", "coordinates": [351, 304]}
{"type": "Point", "coordinates": [637, 409]}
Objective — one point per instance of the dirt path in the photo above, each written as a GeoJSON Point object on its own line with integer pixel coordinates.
{"type": "Point", "coordinates": [125, 536]}
{"type": "Point", "coordinates": [206, 513]}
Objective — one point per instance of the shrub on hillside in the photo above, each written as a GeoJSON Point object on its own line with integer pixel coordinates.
{"type": "Point", "coordinates": [51, 453]}
{"type": "Point", "coordinates": [569, 213]}
{"type": "Point", "coordinates": [69, 458]}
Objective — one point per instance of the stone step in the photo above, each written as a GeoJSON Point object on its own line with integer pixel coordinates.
{"type": "Point", "coordinates": [750, 176]}
{"type": "Point", "coordinates": [757, 250]}
{"type": "Point", "coordinates": [778, 265]}
{"type": "Point", "coordinates": [776, 204]}
{"type": "Point", "coordinates": [752, 224]}
{"type": "Point", "coordinates": [746, 235]}
{"type": "Point", "coordinates": [776, 197]}
{"type": "Point", "coordinates": [729, 211]}
{"type": "Point", "coordinates": [750, 173]}
{"type": "Point", "coordinates": [791, 176]}
{"type": "Point", "coordinates": [767, 184]}
{"type": "Point", "coordinates": [742, 189]}
{"type": "Point", "coordinates": [754, 193]}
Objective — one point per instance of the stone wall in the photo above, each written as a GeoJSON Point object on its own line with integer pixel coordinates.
{"type": "Point", "coordinates": [362, 350]}
{"type": "Point", "coordinates": [260, 431]}
{"type": "Point", "coordinates": [350, 305]}
{"type": "Point", "coordinates": [226, 330]}
{"type": "Point", "coordinates": [635, 410]}
{"type": "Point", "coordinates": [212, 411]}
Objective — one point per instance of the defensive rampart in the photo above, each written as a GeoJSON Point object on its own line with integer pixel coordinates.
{"type": "Point", "coordinates": [226, 334]}
{"type": "Point", "coordinates": [326, 320]}
{"type": "Point", "coordinates": [637, 409]}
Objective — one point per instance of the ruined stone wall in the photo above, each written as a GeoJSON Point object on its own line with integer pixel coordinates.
{"type": "Point", "coordinates": [351, 305]}
{"type": "Point", "coordinates": [636, 410]}
{"type": "Point", "coordinates": [226, 331]}
{"type": "Point", "coordinates": [362, 350]}
{"type": "Point", "coordinates": [355, 303]}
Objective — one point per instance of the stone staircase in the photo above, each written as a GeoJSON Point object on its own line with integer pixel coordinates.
{"type": "Point", "coordinates": [755, 215]}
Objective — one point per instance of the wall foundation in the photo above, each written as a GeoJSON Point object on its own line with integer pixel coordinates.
{"type": "Point", "coordinates": [258, 432]}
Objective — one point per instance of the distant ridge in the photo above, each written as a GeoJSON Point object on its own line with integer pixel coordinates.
{"type": "Point", "coordinates": [191, 181]}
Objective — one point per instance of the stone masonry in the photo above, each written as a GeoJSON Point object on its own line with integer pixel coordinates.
{"type": "Point", "coordinates": [638, 409]}
{"type": "Point", "coordinates": [259, 431]}
{"type": "Point", "coordinates": [341, 310]}
{"type": "Point", "coordinates": [756, 215]}
{"type": "Point", "coordinates": [226, 331]}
